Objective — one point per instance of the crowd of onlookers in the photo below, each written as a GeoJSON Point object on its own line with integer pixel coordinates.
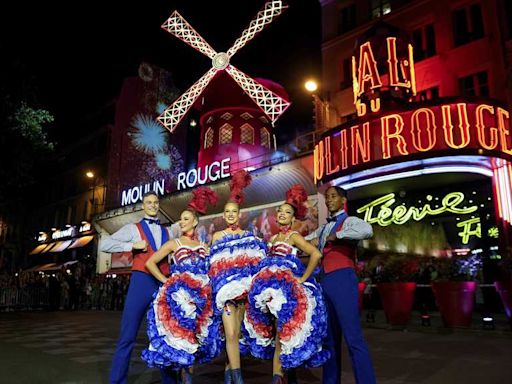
{"type": "Point", "coordinates": [74, 288]}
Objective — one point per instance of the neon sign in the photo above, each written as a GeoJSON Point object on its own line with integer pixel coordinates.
{"type": "Point", "coordinates": [61, 233]}
{"type": "Point", "coordinates": [471, 227]}
{"type": "Point", "coordinates": [211, 172]}
{"type": "Point", "coordinates": [367, 82]}
{"type": "Point", "coordinates": [135, 194]}
{"type": "Point", "coordinates": [455, 128]}
{"type": "Point", "coordinates": [401, 214]}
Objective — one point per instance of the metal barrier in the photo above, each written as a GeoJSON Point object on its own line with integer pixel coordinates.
{"type": "Point", "coordinates": [23, 298]}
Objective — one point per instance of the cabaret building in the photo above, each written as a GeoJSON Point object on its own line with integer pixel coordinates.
{"type": "Point", "coordinates": [422, 140]}
{"type": "Point", "coordinates": [419, 135]}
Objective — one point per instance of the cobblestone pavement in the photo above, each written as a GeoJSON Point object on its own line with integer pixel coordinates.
{"type": "Point", "coordinates": [77, 347]}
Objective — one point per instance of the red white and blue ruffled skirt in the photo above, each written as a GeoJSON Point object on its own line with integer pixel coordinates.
{"type": "Point", "coordinates": [182, 328]}
{"type": "Point", "coordinates": [233, 262]}
{"type": "Point", "coordinates": [298, 310]}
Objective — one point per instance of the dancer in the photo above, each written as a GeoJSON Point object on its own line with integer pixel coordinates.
{"type": "Point", "coordinates": [142, 239]}
{"type": "Point", "coordinates": [181, 327]}
{"type": "Point", "coordinates": [337, 240]}
{"type": "Point", "coordinates": [233, 257]}
{"type": "Point", "coordinates": [286, 315]}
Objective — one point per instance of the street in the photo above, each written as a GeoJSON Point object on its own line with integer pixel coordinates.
{"type": "Point", "coordinates": [77, 347]}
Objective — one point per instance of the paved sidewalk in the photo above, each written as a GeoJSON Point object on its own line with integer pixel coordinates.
{"type": "Point", "coordinates": [77, 347]}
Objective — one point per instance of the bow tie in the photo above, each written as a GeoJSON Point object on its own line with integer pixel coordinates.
{"type": "Point", "coordinates": [152, 221]}
{"type": "Point", "coordinates": [330, 219]}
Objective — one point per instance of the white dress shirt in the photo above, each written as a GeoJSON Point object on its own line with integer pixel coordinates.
{"type": "Point", "coordinates": [353, 228]}
{"type": "Point", "coordinates": [123, 239]}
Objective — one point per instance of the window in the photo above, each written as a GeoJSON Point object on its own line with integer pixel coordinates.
{"type": "Point", "coordinates": [347, 19]}
{"type": "Point", "coordinates": [379, 8]}
{"type": "Point", "coordinates": [474, 85]}
{"type": "Point", "coordinates": [208, 138]}
{"type": "Point", "coordinates": [427, 94]}
{"type": "Point", "coordinates": [226, 134]}
{"type": "Point", "coordinates": [246, 134]}
{"type": "Point", "coordinates": [424, 42]}
{"type": "Point", "coordinates": [347, 73]}
{"type": "Point", "coordinates": [468, 24]}
{"type": "Point", "coordinates": [265, 137]}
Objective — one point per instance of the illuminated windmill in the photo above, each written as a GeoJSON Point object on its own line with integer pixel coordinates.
{"type": "Point", "coordinates": [270, 103]}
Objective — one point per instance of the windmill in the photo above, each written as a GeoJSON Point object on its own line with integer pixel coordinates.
{"type": "Point", "coordinates": [270, 103]}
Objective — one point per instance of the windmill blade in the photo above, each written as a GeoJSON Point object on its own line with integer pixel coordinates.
{"type": "Point", "coordinates": [270, 11]}
{"type": "Point", "coordinates": [172, 116]}
{"type": "Point", "coordinates": [180, 28]}
{"type": "Point", "coordinates": [271, 104]}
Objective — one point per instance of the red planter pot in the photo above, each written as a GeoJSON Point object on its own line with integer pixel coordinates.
{"type": "Point", "coordinates": [504, 288]}
{"type": "Point", "coordinates": [361, 288]}
{"type": "Point", "coordinates": [455, 300]}
{"type": "Point", "coordinates": [397, 300]}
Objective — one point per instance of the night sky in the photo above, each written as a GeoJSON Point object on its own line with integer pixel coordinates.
{"type": "Point", "coordinates": [77, 54]}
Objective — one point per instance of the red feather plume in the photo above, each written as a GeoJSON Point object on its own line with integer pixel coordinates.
{"type": "Point", "coordinates": [201, 198]}
{"type": "Point", "coordinates": [296, 196]}
{"type": "Point", "coordinates": [240, 180]}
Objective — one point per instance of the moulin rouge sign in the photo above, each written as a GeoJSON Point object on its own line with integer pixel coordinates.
{"type": "Point", "coordinates": [448, 128]}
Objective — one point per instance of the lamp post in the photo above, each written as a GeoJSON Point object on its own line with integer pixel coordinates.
{"type": "Point", "coordinates": [326, 116]}
{"type": "Point", "coordinates": [312, 86]}
{"type": "Point", "coordinates": [92, 176]}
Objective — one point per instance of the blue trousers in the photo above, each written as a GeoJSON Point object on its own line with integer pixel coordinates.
{"type": "Point", "coordinates": [341, 296]}
{"type": "Point", "coordinates": [139, 297]}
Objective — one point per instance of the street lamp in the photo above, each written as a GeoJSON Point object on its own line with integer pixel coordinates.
{"type": "Point", "coordinates": [91, 175]}
{"type": "Point", "coordinates": [326, 116]}
{"type": "Point", "coordinates": [311, 85]}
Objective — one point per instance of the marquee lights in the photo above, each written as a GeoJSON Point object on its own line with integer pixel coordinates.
{"type": "Point", "coordinates": [437, 130]}
{"type": "Point", "coordinates": [401, 214]}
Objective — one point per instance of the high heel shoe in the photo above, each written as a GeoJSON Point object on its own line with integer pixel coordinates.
{"type": "Point", "coordinates": [278, 379]}
{"type": "Point", "coordinates": [237, 376]}
{"type": "Point", "coordinates": [186, 377]}
{"type": "Point", "coordinates": [228, 379]}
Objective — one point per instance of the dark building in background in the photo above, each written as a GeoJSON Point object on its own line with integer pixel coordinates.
{"type": "Point", "coordinates": [58, 226]}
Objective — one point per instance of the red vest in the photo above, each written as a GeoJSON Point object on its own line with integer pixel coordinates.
{"type": "Point", "coordinates": [140, 257]}
{"type": "Point", "coordinates": [338, 254]}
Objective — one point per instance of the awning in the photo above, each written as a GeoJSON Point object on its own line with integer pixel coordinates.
{"type": "Point", "coordinates": [50, 266]}
{"type": "Point", "coordinates": [37, 267]}
{"type": "Point", "coordinates": [80, 242]}
{"type": "Point", "coordinates": [38, 249]}
{"type": "Point", "coordinates": [48, 247]}
{"type": "Point", "coordinates": [61, 245]}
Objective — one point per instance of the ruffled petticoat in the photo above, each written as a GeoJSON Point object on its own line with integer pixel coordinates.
{"type": "Point", "coordinates": [182, 328]}
{"type": "Point", "coordinates": [299, 310]}
{"type": "Point", "coordinates": [233, 262]}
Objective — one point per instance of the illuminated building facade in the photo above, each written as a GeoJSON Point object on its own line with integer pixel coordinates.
{"type": "Point", "coordinates": [425, 144]}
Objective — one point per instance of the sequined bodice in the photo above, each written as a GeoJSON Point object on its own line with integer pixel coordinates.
{"type": "Point", "coordinates": [280, 248]}
{"type": "Point", "coordinates": [188, 254]}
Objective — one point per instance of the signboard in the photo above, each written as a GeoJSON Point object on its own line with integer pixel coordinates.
{"type": "Point", "coordinates": [190, 179]}
{"type": "Point", "coordinates": [438, 130]}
